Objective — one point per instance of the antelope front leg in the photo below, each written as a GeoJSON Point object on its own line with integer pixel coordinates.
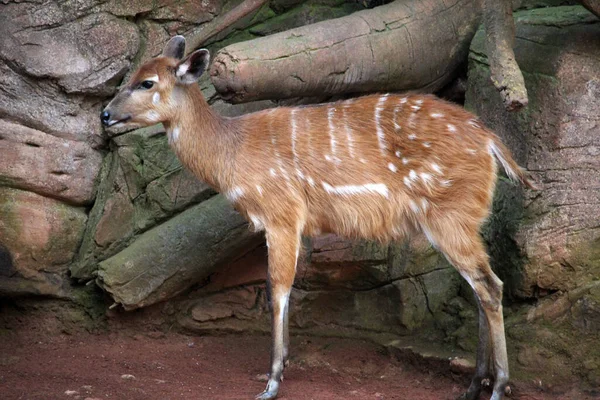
{"type": "Point", "coordinates": [284, 246]}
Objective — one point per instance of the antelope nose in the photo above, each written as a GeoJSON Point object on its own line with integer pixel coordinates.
{"type": "Point", "coordinates": [105, 117]}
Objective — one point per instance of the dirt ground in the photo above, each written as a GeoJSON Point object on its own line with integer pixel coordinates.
{"type": "Point", "coordinates": [157, 366]}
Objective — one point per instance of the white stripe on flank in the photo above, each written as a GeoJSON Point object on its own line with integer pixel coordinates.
{"type": "Point", "coordinates": [380, 134]}
{"type": "Point", "coordinates": [378, 188]}
{"type": "Point", "coordinates": [330, 114]}
{"type": "Point", "coordinates": [293, 122]}
{"type": "Point", "coordinates": [348, 133]}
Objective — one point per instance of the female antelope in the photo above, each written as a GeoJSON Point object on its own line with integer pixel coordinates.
{"type": "Point", "coordinates": [377, 167]}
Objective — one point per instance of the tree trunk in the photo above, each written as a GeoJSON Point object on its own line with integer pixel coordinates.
{"type": "Point", "coordinates": [176, 255]}
{"type": "Point", "coordinates": [405, 45]}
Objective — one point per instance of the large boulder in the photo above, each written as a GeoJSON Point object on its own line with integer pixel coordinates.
{"type": "Point", "coordinates": [556, 138]}
{"type": "Point", "coordinates": [357, 286]}
{"type": "Point", "coordinates": [38, 239]}
{"type": "Point", "coordinates": [176, 255]}
{"type": "Point", "coordinates": [546, 244]}
{"type": "Point", "coordinates": [51, 166]}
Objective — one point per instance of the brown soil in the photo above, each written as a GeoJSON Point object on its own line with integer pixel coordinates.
{"type": "Point", "coordinates": [44, 358]}
{"type": "Point", "coordinates": [175, 366]}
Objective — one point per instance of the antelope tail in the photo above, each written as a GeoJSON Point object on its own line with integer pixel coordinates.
{"type": "Point", "coordinates": [512, 169]}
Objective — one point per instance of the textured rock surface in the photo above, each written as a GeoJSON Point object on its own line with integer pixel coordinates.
{"type": "Point", "coordinates": [174, 256]}
{"type": "Point", "coordinates": [142, 184]}
{"type": "Point", "coordinates": [38, 238]}
{"type": "Point", "coordinates": [549, 241]}
{"type": "Point", "coordinates": [557, 138]}
{"type": "Point", "coordinates": [354, 285]}
{"type": "Point", "coordinates": [53, 167]}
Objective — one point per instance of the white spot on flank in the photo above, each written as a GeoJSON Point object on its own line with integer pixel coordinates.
{"type": "Point", "coordinates": [403, 100]}
{"type": "Point", "coordinates": [413, 206]}
{"type": "Point", "coordinates": [412, 175]}
{"type": "Point", "coordinates": [362, 160]}
{"type": "Point", "coordinates": [405, 160]}
{"type": "Point", "coordinates": [415, 108]}
{"type": "Point", "coordinates": [378, 188]}
{"type": "Point", "coordinates": [260, 189]}
{"type": "Point", "coordinates": [446, 182]}
{"type": "Point", "coordinates": [426, 144]}
{"type": "Point", "coordinates": [436, 168]}
{"type": "Point", "coordinates": [436, 115]}
{"type": "Point", "coordinates": [407, 182]}
{"type": "Point", "coordinates": [156, 98]}
{"type": "Point", "coordinates": [299, 173]}
{"type": "Point", "coordinates": [153, 78]}
{"type": "Point", "coordinates": [451, 128]}
{"type": "Point", "coordinates": [412, 136]}
{"type": "Point", "coordinates": [471, 151]}
{"type": "Point", "coordinates": [235, 194]}
{"type": "Point", "coordinates": [419, 102]}
{"type": "Point", "coordinates": [392, 167]}
{"type": "Point", "coordinates": [311, 181]}
{"type": "Point", "coordinates": [426, 177]}
{"type": "Point", "coordinates": [397, 153]}
{"type": "Point", "coordinates": [272, 172]}
{"type": "Point", "coordinates": [424, 204]}
{"type": "Point", "coordinates": [380, 134]}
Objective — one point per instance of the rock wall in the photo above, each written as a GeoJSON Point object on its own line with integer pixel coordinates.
{"type": "Point", "coordinates": [70, 196]}
{"type": "Point", "coordinates": [546, 244]}
{"type": "Point", "coordinates": [79, 205]}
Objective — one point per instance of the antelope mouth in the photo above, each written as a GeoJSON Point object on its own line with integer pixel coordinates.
{"type": "Point", "coordinates": [118, 122]}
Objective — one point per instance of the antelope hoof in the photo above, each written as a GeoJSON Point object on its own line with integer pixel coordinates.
{"type": "Point", "coordinates": [267, 395]}
{"type": "Point", "coordinates": [270, 391]}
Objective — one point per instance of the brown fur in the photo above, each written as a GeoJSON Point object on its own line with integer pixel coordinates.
{"type": "Point", "coordinates": [377, 167]}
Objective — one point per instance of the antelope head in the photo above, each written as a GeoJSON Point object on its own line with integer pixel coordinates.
{"type": "Point", "coordinates": [151, 94]}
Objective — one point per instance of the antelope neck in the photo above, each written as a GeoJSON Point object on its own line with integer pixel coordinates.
{"type": "Point", "coordinates": [205, 142]}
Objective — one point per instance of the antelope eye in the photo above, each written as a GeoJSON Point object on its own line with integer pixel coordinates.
{"type": "Point", "coordinates": [146, 85]}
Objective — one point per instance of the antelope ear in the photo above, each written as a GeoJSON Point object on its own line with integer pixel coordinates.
{"type": "Point", "coordinates": [190, 69]}
{"type": "Point", "coordinates": [175, 47]}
